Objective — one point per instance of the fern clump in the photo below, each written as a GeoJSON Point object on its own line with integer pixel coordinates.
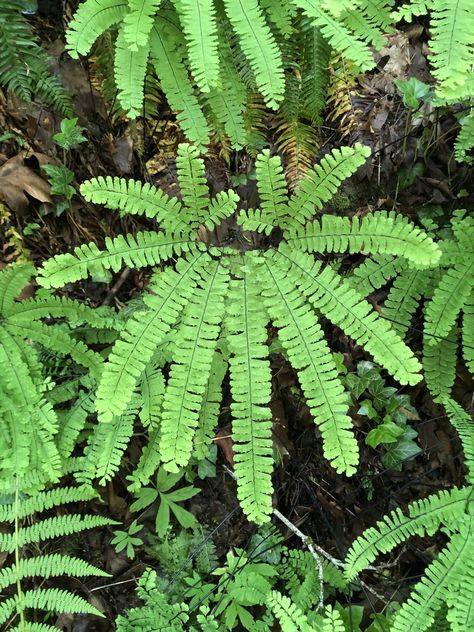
{"type": "Point", "coordinates": [29, 425]}
{"type": "Point", "coordinates": [209, 313]}
{"type": "Point", "coordinates": [20, 539]}
{"type": "Point", "coordinates": [24, 66]}
{"type": "Point", "coordinates": [229, 50]}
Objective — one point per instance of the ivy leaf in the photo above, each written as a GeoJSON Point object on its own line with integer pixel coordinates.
{"type": "Point", "coordinates": [388, 432]}
{"type": "Point", "coordinates": [403, 450]}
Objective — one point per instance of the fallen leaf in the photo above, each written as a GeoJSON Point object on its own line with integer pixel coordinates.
{"type": "Point", "coordinates": [18, 181]}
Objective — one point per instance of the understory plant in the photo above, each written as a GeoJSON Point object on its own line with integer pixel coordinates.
{"type": "Point", "coordinates": [209, 313]}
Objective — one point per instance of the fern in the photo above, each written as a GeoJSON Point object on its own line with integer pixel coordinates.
{"type": "Point", "coordinates": [207, 310]}
{"type": "Point", "coordinates": [47, 565]}
{"type": "Point", "coordinates": [24, 66]}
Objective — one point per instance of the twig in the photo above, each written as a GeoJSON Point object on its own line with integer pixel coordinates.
{"type": "Point", "coordinates": [116, 286]}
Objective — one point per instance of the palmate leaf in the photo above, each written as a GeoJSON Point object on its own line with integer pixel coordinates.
{"type": "Point", "coordinates": [190, 373]}
{"type": "Point", "coordinates": [250, 379]}
{"type": "Point", "coordinates": [143, 333]}
{"type": "Point", "coordinates": [308, 352]}
{"type": "Point", "coordinates": [328, 293]}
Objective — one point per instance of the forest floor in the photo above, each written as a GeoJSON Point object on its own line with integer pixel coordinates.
{"type": "Point", "coordinates": [331, 509]}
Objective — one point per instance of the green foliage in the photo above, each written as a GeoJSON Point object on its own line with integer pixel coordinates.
{"type": "Point", "coordinates": [70, 134]}
{"type": "Point", "coordinates": [206, 313]}
{"type": "Point", "coordinates": [127, 540]}
{"type": "Point", "coordinates": [17, 507]}
{"type": "Point", "coordinates": [24, 66]}
{"type": "Point", "coordinates": [230, 51]}
{"type": "Point", "coordinates": [30, 427]}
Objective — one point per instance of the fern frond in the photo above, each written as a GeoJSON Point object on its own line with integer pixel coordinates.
{"type": "Point", "coordinates": [252, 219]}
{"type": "Point", "coordinates": [44, 500]}
{"type": "Point", "coordinates": [72, 422]}
{"type": "Point", "coordinates": [259, 47]}
{"type": "Point", "coordinates": [439, 364]}
{"type": "Point", "coordinates": [464, 426]}
{"type": "Point", "coordinates": [316, 57]}
{"type": "Point", "coordinates": [210, 407]}
{"type": "Point", "coordinates": [339, 37]}
{"type": "Point", "coordinates": [404, 298]}
{"type": "Point", "coordinates": [132, 197]}
{"type": "Point", "coordinates": [190, 373]}
{"type": "Point", "coordinates": [465, 139]}
{"type": "Point", "coordinates": [322, 182]}
{"type": "Point", "coordinates": [220, 208]}
{"type": "Point", "coordinates": [52, 599]}
{"type": "Point", "coordinates": [290, 617]}
{"type": "Point", "coordinates": [143, 249]}
{"type": "Point", "coordinates": [138, 23]}
{"type": "Point", "coordinates": [430, 592]}
{"type": "Point", "coordinates": [329, 293]}
{"type": "Point", "coordinates": [144, 332]}
{"type": "Point", "coordinates": [451, 294]}
{"type": "Point", "coordinates": [378, 233]}
{"type": "Point", "coordinates": [372, 274]}
{"type": "Point", "coordinates": [272, 188]}
{"type": "Point", "coordinates": [152, 389]}
{"type": "Point", "coordinates": [423, 517]}
{"type": "Point", "coordinates": [308, 352]}
{"type": "Point", "coordinates": [130, 67]}
{"type": "Point", "coordinates": [250, 380]}
{"type": "Point", "coordinates": [176, 85]}
{"type": "Point", "coordinates": [192, 183]}
{"type": "Point", "coordinates": [13, 279]}
{"type": "Point", "coordinates": [281, 14]}
{"type": "Point", "coordinates": [92, 18]}
{"type": "Point", "coordinates": [468, 333]}
{"type": "Point", "coordinates": [200, 29]}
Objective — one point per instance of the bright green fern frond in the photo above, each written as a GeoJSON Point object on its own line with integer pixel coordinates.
{"type": "Point", "coordinates": [289, 616]}
{"type": "Point", "coordinates": [12, 281]}
{"type": "Point", "coordinates": [91, 19]}
{"type": "Point", "coordinates": [377, 233]}
{"type": "Point", "coordinates": [464, 425]}
{"type": "Point", "coordinates": [51, 599]}
{"type": "Point", "coordinates": [132, 197]}
{"type": "Point", "coordinates": [250, 381]}
{"type": "Point", "coordinates": [459, 598]}
{"type": "Point", "coordinates": [439, 364]}
{"type": "Point", "coordinates": [451, 45]}
{"type": "Point", "coordinates": [429, 593]}
{"type": "Point", "coordinates": [468, 333]}
{"type": "Point", "coordinates": [34, 627]}
{"type": "Point", "coordinates": [44, 500]}
{"type": "Point", "coordinates": [130, 67]}
{"type": "Point", "coordinates": [71, 423]}
{"type": "Point", "coordinates": [451, 294]}
{"type": "Point", "coordinates": [190, 373]}
{"type": "Point", "coordinates": [465, 139]}
{"type": "Point", "coordinates": [138, 23]}
{"type": "Point", "coordinates": [45, 566]}
{"type": "Point", "coordinates": [143, 333]}
{"type": "Point", "coordinates": [192, 183]}
{"type": "Point", "coordinates": [403, 299]}
{"type": "Point", "coordinates": [210, 407]}
{"type": "Point", "coordinates": [200, 29]}
{"type": "Point", "coordinates": [272, 187]}
{"type": "Point", "coordinates": [329, 293]}
{"type": "Point", "coordinates": [424, 517]}
{"type": "Point", "coordinates": [176, 85]}
{"type": "Point", "coordinates": [259, 47]}
{"type": "Point", "coordinates": [308, 352]}
{"type": "Point", "coordinates": [253, 219]}
{"type": "Point", "coordinates": [152, 389]}
{"type": "Point", "coordinates": [337, 34]}
{"type": "Point", "coordinates": [374, 273]}
{"type": "Point", "coordinates": [143, 249]}
{"type": "Point", "coordinates": [221, 207]}
{"type": "Point", "coordinates": [322, 182]}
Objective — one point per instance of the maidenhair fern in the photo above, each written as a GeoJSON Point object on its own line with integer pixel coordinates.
{"type": "Point", "coordinates": [228, 50]}
{"type": "Point", "coordinates": [448, 580]}
{"type": "Point", "coordinates": [19, 542]}
{"type": "Point", "coordinates": [212, 308]}
{"type": "Point", "coordinates": [24, 66]}
{"type": "Point", "coordinates": [29, 425]}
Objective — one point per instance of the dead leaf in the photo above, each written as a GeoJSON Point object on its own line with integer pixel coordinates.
{"type": "Point", "coordinates": [18, 181]}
